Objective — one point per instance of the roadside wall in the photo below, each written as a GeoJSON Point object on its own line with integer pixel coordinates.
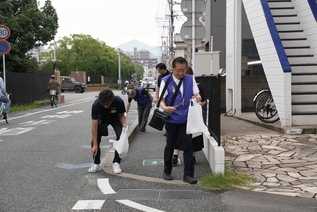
{"type": "Point", "coordinates": [27, 87]}
{"type": "Point", "coordinates": [250, 85]}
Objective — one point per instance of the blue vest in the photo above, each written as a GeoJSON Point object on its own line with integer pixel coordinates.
{"type": "Point", "coordinates": [179, 116]}
{"type": "Point", "coordinates": [142, 100]}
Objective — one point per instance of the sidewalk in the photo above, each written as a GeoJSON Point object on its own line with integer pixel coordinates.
{"type": "Point", "coordinates": [282, 164]}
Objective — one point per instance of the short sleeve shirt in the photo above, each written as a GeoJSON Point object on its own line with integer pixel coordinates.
{"type": "Point", "coordinates": [181, 89]}
{"type": "Point", "coordinates": [108, 114]}
{"type": "Point", "coordinates": [160, 78]}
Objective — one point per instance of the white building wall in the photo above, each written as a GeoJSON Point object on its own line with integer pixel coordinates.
{"type": "Point", "coordinates": [279, 82]}
{"type": "Point", "coordinates": [233, 56]}
{"type": "Point", "coordinates": [308, 23]}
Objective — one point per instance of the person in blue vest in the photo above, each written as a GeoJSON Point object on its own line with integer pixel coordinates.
{"type": "Point", "coordinates": [176, 123]}
{"type": "Point", "coordinates": [144, 100]}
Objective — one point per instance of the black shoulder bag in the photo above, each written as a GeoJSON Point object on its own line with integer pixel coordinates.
{"type": "Point", "coordinates": [159, 117]}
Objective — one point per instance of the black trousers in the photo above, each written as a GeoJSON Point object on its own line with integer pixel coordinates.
{"type": "Point", "coordinates": [174, 131]}
{"type": "Point", "coordinates": [143, 113]}
{"type": "Point", "coordinates": [117, 127]}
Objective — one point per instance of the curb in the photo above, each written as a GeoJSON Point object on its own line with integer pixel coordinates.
{"type": "Point", "coordinates": [106, 162]}
{"type": "Point", "coordinates": [305, 129]}
{"type": "Point", "coordinates": [267, 126]}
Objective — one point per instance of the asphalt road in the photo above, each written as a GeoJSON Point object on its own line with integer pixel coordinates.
{"type": "Point", "coordinates": [45, 155]}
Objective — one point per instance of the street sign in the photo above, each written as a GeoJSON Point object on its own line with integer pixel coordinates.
{"type": "Point", "coordinates": [186, 7]}
{"type": "Point", "coordinates": [186, 32]}
{"type": "Point", "coordinates": [5, 47]}
{"type": "Point", "coordinates": [4, 32]}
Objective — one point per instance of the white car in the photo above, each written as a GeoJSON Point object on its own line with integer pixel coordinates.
{"type": "Point", "coordinates": [150, 81]}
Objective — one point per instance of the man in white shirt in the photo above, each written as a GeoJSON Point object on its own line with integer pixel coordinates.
{"type": "Point", "coordinates": [178, 110]}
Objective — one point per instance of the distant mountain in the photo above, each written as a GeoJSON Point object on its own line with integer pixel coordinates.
{"type": "Point", "coordinates": [129, 47]}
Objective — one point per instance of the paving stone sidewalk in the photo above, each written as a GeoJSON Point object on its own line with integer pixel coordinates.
{"type": "Point", "coordinates": [282, 164]}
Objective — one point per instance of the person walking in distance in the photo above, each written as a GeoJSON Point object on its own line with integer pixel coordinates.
{"type": "Point", "coordinates": [161, 68]}
{"type": "Point", "coordinates": [107, 109]}
{"type": "Point", "coordinates": [4, 98]}
{"type": "Point", "coordinates": [176, 123]}
{"type": "Point", "coordinates": [144, 100]}
{"type": "Point", "coordinates": [146, 84]}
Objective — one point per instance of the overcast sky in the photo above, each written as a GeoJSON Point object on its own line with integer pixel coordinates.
{"type": "Point", "coordinates": [114, 21]}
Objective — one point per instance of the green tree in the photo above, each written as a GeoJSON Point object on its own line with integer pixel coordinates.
{"type": "Point", "coordinates": [81, 52]}
{"type": "Point", "coordinates": [30, 27]}
{"type": "Point", "coordinates": [139, 70]}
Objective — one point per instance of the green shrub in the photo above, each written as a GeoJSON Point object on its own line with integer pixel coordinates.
{"type": "Point", "coordinates": [98, 85]}
{"type": "Point", "coordinates": [114, 86]}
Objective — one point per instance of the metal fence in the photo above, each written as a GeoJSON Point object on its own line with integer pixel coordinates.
{"type": "Point", "coordinates": [108, 81]}
{"type": "Point", "coordinates": [26, 88]}
{"type": "Point", "coordinates": [211, 110]}
{"type": "Point", "coordinates": [93, 79]}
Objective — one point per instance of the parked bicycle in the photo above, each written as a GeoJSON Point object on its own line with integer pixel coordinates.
{"type": "Point", "coordinates": [264, 106]}
{"type": "Point", "coordinates": [53, 98]}
{"type": "Point", "coordinates": [124, 90]}
{"type": "Point", "coordinates": [132, 85]}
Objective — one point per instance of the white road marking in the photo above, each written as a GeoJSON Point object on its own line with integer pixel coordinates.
{"type": "Point", "coordinates": [50, 109]}
{"type": "Point", "coordinates": [138, 206]}
{"type": "Point", "coordinates": [88, 204]}
{"type": "Point", "coordinates": [15, 131]}
{"type": "Point", "coordinates": [32, 123]}
{"type": "Point", "coordinates": [104, 186]}
{"type": "Point", "coordinates": [54, 116]}
{"type": "Point", "coordinates": [74, 111]}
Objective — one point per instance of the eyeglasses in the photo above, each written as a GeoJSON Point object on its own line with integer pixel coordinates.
{"type": "Point", "coordinates": [179, 70]}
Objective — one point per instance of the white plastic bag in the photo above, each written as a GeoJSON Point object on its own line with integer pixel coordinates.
{"type": "Point", "coordinates": [195, 122]}
{"type": "Point", "coordinates": [122, 145]}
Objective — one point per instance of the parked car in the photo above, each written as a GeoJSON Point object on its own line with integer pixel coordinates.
{"type": "Point", "coordinates": [70, 84]}
{"type": "Point", "coordinates": [150, 81]}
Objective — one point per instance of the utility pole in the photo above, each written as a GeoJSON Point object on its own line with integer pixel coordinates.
{"type": "Point", "coordinates": [119, 68]}
{"type": "Point", "coordinates": [54, 55]}
{"type": "Point", "coordinates": [171, 31]}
